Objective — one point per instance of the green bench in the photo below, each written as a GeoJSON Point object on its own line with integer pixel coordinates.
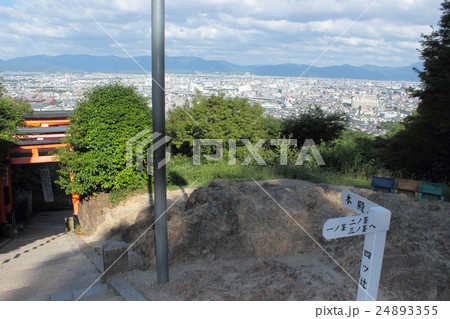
{"type": "Point", "coordinates": [426, 188]}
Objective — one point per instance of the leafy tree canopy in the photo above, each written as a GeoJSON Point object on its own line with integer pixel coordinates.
{"type": "Point", "coordinates": [218, 117]}
{"type": "Point", "coordinates": [2, 88]}
{"type": "Point", "coordinates": [11, 116]}
{"type": "Point", "coordinates": [422, 149]}
{"type": "Point", "coordinates": [315, 124]}
{"type": "Point", "coordinates": [103, 121]}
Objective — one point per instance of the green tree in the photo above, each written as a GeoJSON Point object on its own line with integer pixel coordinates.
{"type": "Point", "coordinates": [11, 117]}
{"type": "Point", "coordinates": [217, 117]}
{"type": "Point", "coordinates": [315, 124]}
{"type": "Point", "coordinates": [395, 129]}
{"type": "Point", "coordinates": [2, 88]}
{"type": "Point", "coordinates": [100, 126]}
{"type": "Point", "coordinates": [423, 147]}
{"type": "Point", "coordinates": [354, 153]}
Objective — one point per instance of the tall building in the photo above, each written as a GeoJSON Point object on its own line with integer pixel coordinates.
{"type": "Point", "coordinates": [365, 104]}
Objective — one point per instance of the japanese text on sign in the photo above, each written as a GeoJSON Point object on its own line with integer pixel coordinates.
{"type": "Point", "coordinates": [372, 221]}
{"type": "Point", "coordinates": [356, 225]}
{"type": "Point", "coordinates": [356, 203]}
{"type": "Point", "coordinates": [46, 185]}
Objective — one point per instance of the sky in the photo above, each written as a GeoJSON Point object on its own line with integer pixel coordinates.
{"type": "Point", "coordinates": [244, 32]}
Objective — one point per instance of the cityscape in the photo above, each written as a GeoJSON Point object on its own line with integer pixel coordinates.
{"type": "Point", "coordinates": [367, 103]}
{"type": "Point", "coordinates": [306, 157]}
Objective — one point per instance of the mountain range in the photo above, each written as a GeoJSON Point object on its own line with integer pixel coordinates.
{"type": "Point", "coordinates": [183, 64]}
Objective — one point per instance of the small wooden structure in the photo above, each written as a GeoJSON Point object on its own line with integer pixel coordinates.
{"type": "Point", "coordinates": [407, 186]}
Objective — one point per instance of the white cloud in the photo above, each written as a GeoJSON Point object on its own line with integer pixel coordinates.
{"type": "Point", "coordinates": [239, 31]}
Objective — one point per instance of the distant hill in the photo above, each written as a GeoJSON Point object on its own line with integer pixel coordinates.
{"type": "Point", "coordinates": [182, 64]}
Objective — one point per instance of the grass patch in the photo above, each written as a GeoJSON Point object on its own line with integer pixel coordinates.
{"type": "Point", "coordinates": [118, 195]}
{"type": "Point", "coordinates": [206, 172]}
{"type": "Point", "coordinates": [186, 174]}
{"type": "Point", "coordinates": [181, 174]}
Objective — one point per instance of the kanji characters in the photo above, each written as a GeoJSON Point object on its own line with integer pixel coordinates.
{"type": "Point", "coordinates": [349, 199]}
{"type": "Point", "coordinates": [363, 282]}
{"type": "Point", "coordinates": [360, 206]}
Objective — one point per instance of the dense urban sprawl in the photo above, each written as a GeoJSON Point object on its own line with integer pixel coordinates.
{"type": "Point", "coordinates": [367, 103]}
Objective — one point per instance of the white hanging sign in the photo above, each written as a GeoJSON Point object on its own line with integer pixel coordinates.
{"type": "Point", "coordinates": [46, 182]}
{"type": "Point", "coordinates": [372, 222]}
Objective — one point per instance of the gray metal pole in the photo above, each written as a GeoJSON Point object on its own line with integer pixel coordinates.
{"type": "Point", "coordinates": [159, 125]}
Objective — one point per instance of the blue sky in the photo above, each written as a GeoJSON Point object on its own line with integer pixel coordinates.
{"type": "Point", "coordinates": [239, 31]}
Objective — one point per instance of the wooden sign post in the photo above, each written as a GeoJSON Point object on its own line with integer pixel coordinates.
{"type": "Point", "coordinates": [373, 222]}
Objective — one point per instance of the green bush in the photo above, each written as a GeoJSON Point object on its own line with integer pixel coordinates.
{"type": "Point", "coordinates": [314, 124]}
{"type": "Point", "coordinates": [11, 116]}
{"type": "Point", "coordinates": [100, 126]}
{"type": "Point", "coordinates": [217, 117]}
{"type": "Point", "coordinates": [354, 154]}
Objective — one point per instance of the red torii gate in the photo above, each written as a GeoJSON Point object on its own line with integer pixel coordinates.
{"type": "Point", "coordinates": [42, 135]}
{"type": "Point", "coordinates": [5, 195]}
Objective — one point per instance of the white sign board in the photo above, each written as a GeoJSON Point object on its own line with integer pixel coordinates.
{"type": "Point", "coordinates": [356, 203]}
{"type": "Point", "coordinates": [46, 182]}
{"type": "Point", "coordinates": [371, 262]}
{"type": "Point", "coordinates": [376, 220]}
{"type": "Point", "coordinates": [356, 225]}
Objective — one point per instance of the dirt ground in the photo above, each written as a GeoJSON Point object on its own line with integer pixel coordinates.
{"type": "Point", "coordinates": [307, 276]}
{"type": "Point", "coordinates": [231, 241]}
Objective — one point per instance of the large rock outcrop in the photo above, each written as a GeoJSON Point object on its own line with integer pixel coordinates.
{"type": "Point", "coordinates": [230, 219]}
{"type": "Point", "coordinates": [244, 220]}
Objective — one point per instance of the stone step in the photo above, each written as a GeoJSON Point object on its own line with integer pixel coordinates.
{"type": "Point", "coordinates": [88, 292]}
{"type": "Point", "coordinates": [126, 290]}
{"type": "Point", "coordinates": [98, 292]}
{"type": "Point", "coordinates": [104, 295]}
{"type": "Point", "coordinates": [36, 237]}
{"type": "Point", "coordinates": [63, 245]}
{"type": "Point", "coordinates": [34, 247]}
{"type": "Point", "coordinates": [75, 260]}
{"type": "Point", "coordinates": [40, 288]}
{"type": "Point", "coordinates": [47, 275]}
{"type": "Point", "coordinates": [36, 259]}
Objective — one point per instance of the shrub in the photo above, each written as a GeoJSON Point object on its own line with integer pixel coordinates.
{"type": "Point", "coordinates": [217, 117]}
{"type": "Point", "coordinates": [315, 124]}
{"type": "Point", "coordinates": [354, 153]}
{"type": "Point", "coordinates": [100, 126]}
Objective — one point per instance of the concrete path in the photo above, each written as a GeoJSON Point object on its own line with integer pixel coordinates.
{"type": "Point", "coordinates": [44, 263]}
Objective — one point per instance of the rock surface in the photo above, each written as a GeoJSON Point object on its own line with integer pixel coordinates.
{"type": "Point", "coordinates": [258, 226]}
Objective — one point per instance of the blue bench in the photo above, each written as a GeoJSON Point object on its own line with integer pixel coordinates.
{"type": "Point", "coordinates": [385, 184]}
{"type": "Point", "coordinates": [426, 188]}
